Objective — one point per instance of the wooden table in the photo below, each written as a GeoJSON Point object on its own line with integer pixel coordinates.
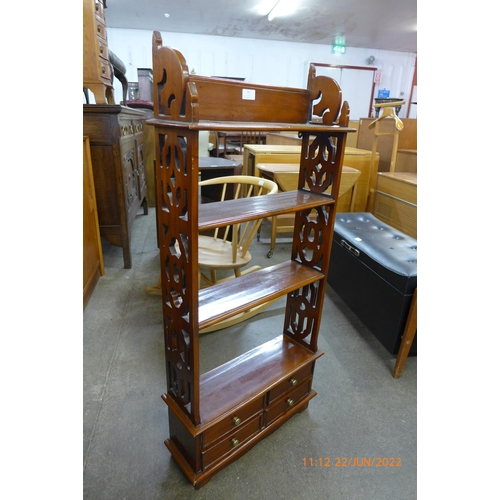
{"type": "Point", "coordinates": [286, 175]}
{"type": "Point", "coordinates": [359, 159]}
{"type": "Point", "coordinates": [209, 168]}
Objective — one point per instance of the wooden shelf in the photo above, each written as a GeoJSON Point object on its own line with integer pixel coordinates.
{"type": "Point", "coordinates": [216, 417]}
{"type": "Point", "coordinates": [244, 209]}
{"type": "Point", "coordinates": [250, 375]}
{"type": "Point", "coordinates": [309, 127]}
{"type": "Point", "coordinates": [225, 300]}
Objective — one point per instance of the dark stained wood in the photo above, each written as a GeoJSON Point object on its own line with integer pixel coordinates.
{"type": "Point", "coordinates": [117, 150]}
{"type": "Point", "coordinates": [242, 210]}
{"type": "Point", "coordinates": [251, 374]}
{"type": "Point", "coordinates": [225, 300]}
{"type": "Point", "coordinates": [216, 417]}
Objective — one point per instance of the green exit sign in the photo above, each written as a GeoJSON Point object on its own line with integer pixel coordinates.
{"type": "Point", "coordinates": [338, 49]}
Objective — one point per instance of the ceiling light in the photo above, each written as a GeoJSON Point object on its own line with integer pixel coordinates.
{"type": "Point", "coordinates": [167, 14]}
{"type": "Point", "coordinates": [283, 8]}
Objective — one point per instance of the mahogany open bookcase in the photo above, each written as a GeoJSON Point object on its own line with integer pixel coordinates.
{"type": "Point", "coordinates": [216, 417]}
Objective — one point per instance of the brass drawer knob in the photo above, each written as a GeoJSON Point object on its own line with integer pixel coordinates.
{"type": "Point", "coordinates": [236, 421]}
{"type": "Point", "coordinates": [290, 402]}
{"type": "Point", "coordinates": [293, 382]}
{"type": "Point", "coordinates": [235, 442]}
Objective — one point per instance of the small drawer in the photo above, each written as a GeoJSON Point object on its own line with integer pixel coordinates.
{"type": "Point", "coordinates": [105, 69]}
{"type": "Point", "coordinates": [293, 381]}
{"type": "Point", "coordinates": [288, 402]}
{"type": "Point", "coordinates": [232, 441]}
{"type": "Point", "coordinates": [103, 49]}
{"type": "Point", "coordinates": [101, 30]}
{"type": "Point", "coordinates": [99, 9]}
{"type": "Point", "coordinates": [234, 420]}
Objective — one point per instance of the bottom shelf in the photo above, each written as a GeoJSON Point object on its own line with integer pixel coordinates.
{"type": "Point", "coordinates": [250, 375]}
{"type": "Point", "coordinates": [241, 402]}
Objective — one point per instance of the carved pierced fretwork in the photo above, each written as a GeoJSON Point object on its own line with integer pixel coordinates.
{"type": "Point", "coordinates": [302, 313]}
{"type": "Point", "coordinates": [176, 188]}
{"type": "Point", "coordinates": [129, 174]}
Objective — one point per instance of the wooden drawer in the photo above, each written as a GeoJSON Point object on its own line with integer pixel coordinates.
{"type": "Point", "coordinates": [105, 69]}
{"type": "Point", "coordinates": [231, 441]}
{"type": "Point", "coordinates": [294, 380]}
{"type": "Point", "coordinates": [235, 419]}
{"type": "Point", "coordinates": [103, 49]}
{"type": "Point", "coordinates": [101, 30]}
{"type": "Point", "coordinates": [287, 402]}
{"type": "Point", "coordinates": [99, 9]}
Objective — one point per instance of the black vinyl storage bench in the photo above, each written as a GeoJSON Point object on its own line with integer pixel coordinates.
{"type": "Point", "coordinates": [373, 268]}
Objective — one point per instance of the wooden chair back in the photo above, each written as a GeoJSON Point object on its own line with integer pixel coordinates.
{"type": "Point", "coordinates": [228, 247]}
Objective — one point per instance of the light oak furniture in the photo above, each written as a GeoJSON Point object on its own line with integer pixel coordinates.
{"type": "Point", "coordinates": [395, 200]}
{"type": "Point", "coordinates": [406, 160]}
{"type": "Point", "coordinates": [216, 417]}
{"type": "Point", "coordinates": [93, 263]}
{"type": "Point", "coordinates": [408, 337]}
{"type": "Point", "coordinates": [293, 139]}
{"type": "Point", "coordinates": [117, 149]}
{"type": "Point", "coordinates": [407, 138]}
{"type": "Point", "coordinates": [286, 175]}
{"type": "Point", "coordinates": [388, 115]}
{"type": "Point", "coordinates": [360, 159]}
{"type": "Point", "coordinates": [97, 71]}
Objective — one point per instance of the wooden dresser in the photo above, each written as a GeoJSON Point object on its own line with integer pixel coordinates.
{"type": "Point", "coordinates": [117, 150]}
{"type": "Point", "coordinates": [96, 65]}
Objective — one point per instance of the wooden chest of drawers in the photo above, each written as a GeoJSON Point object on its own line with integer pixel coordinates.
{"type": "Point", "coordinates": [96, 65]}
{"type": "Point", "coordinates": [117, 149]}
{"type": "Point", "coordinates": [223, 438]}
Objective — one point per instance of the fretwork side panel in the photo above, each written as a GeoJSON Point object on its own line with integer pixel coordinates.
{"type": "Point", "coordinates": [177, 181]}
{"type": "Point", "coordinates": [321, 168]}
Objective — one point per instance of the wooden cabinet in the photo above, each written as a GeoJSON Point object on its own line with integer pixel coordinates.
{"type": "Point", "coordinates": [395, 200]}
{"type": "Point", "coordinates": [117, 149]}
{"type": "Point", "coordinates": [360, 159]}
{"type": "Point", "coordinates": [93, 265]}
{"type": "Point", "coordinates": [216, 417]}
{"type": "Point", "coordinates": [97, 70]}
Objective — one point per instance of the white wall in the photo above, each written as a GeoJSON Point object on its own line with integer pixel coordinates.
{"type": "Point", "coordinates": [258, 61]}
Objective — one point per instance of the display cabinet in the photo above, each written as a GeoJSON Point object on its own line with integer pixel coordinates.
{"type": "Point", "coordinates": [216, 417]}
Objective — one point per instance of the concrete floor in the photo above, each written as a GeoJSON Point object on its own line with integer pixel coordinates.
{"type": "Point", "coordinates": [360, 411]}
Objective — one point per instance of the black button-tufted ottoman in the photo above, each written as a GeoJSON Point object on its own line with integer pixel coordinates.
{"type": "Point", "coordinates": [373, 268]}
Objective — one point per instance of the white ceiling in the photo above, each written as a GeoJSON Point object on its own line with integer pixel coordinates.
{"type": "Point", "coordinates": [374, 24]}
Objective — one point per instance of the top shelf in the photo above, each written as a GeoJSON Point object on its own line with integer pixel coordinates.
{"type": "Point", "coordinates": [182, 99]}
{"type": "Point", "coordinates": [311, 127]}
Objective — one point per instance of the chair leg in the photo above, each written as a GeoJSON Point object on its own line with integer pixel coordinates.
{"type": "Point", "coordinates": [408, 336]}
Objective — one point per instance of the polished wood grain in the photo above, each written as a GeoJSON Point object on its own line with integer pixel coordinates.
{"type": "Point", "coordinates": [225, 300]}
{"type": "Point", "coordinates": [251, 375]}
{"type": "Point", "coordinates": [260, 390]}
{"type": "Point", "coordinates": [234, 211]}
